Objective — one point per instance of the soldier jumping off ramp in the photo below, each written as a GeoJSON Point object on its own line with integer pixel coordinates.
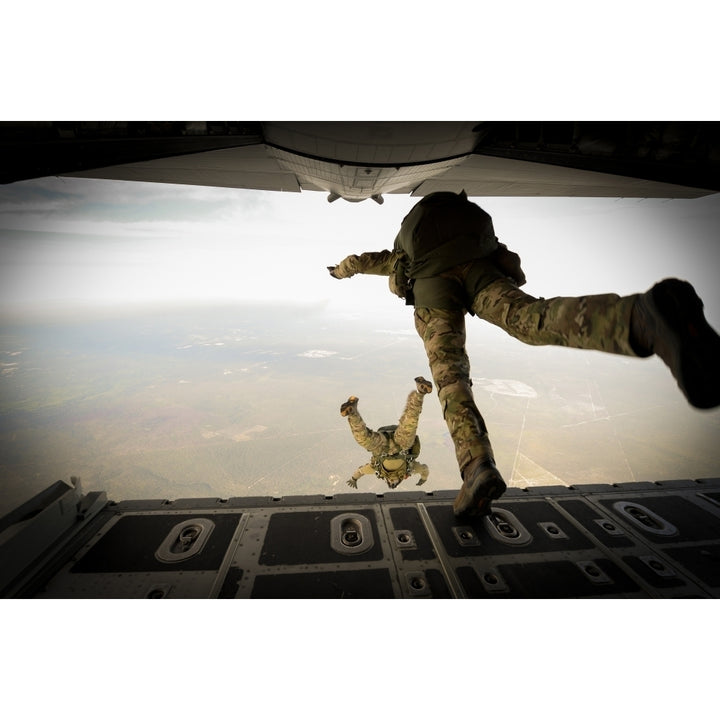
{"type": "Point", "coordinates": [446, 261]}
{"type": "Point", "coordinates": [394, 448]}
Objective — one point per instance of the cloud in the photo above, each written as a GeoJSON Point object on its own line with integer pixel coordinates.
{"type": "Point", "coordinates": [88, 200]}
{"type": "Point", "coordinates": [317, 353]}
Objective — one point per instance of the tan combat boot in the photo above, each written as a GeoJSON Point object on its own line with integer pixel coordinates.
{"type": "Point", "coordinates": [668, 320]}
{"type": "Point", "coordinates": [423, 386]}
{"type": "Point", "coordinates": [349, 407]}
{"type": "Point", "coordinates": [482, 483]}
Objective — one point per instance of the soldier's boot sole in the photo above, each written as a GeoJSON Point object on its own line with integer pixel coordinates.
{"type": "Point", "coordinates": [349, 407]}
{"type": "Point", "coordinates": [684, 340]}
{"type": "Point", "coordinates": [482, 483]}
{"type": "Point", "coordinates": [423, 386]}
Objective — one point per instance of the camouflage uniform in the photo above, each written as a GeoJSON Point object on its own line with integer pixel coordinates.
{"type": "Point", "coordinates": [447, 261]}
{"type": "Point", "coordinates": [596, 322]}
{"type": "Point", "coordinates": [480, 285]}
{"type": "Point", "coordinates": [394, 448]}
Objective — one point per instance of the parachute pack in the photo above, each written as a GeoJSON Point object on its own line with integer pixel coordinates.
{"type": "Point", "coordinates": [412, 453]}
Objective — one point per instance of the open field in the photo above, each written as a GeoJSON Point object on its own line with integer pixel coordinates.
{"type": "Point", "coordinates": [245, 401]}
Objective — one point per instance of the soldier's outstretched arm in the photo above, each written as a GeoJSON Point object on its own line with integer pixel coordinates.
{"type": "Point", "coordinates": [369, 263]}
{"type": "Point", "coordinates": [366, 469]}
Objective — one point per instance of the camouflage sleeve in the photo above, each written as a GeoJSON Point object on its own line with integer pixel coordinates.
{"type": "Point", "coordinates": [366, 469]}
{"type": "Point", "coordinates": [362, 470]}
{"type": "Point", "coordinates": [369, 263]}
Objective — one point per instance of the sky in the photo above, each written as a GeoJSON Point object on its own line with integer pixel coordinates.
{"type": "Point", "coordinates": [89, 244]}
{"type": "Point", "coordinates": [304, 61]}
{"type": "Point", "coordinates": [108, 242]}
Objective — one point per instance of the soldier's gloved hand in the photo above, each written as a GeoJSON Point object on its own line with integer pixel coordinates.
{"type": "Point", "coordinates": [508, 262]}
{"type": "Point", "coordinates": [421, 481]}
{"type": "Point", "coordinates": [352, 482]}
{"type": "Point", "coordinates": [332, 269]}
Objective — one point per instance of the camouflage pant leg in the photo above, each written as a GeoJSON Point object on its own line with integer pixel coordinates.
{"type": "Point", "coordinates": [407, 427]}
{"type": "Point", "coordinates": [591, 322]}
{"type": "Point", "coordinates": [443, 334]}
{"type": "Point", "coordinates": [374, 442]}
